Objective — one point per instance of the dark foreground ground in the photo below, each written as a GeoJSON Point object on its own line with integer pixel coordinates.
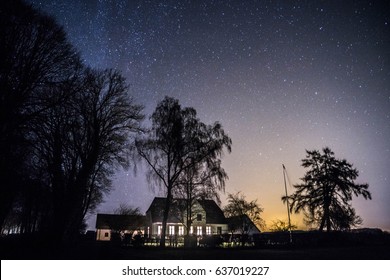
{"type": "Point", "coordinates": [362, 252]}
{"type": "Point", "coordinates": [368, 244]}
{"type": "Point", "coordinates": [105, 250]}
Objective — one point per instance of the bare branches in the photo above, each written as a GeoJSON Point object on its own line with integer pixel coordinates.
{"type": "Point", "coordinates": [239, 207]}
{"type": "Point", "coordinates": [178, 145]}
{"type": "Point", "coordinates": [62, 125]}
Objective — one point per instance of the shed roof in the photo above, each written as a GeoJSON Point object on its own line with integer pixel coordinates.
{"type": "Point", "coordinates": [237, 221]}
{"type": "Point", "coordinates": [119, 222]}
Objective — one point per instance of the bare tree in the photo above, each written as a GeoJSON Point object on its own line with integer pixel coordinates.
{"type": "Point", "coordinates": [239, 210]}
{"type": "Point", "coordinates": [80, 143]}
{"type": "Point", "coordinates": [124, 209]}
{"type": "Point", "coordinates": [34, 55]}
{"type": "Point", "coordinates": [176, 143]}
{"type": "Point", "coordinates": [202, 181]}
{"type": "Point", "coordinates": [280, 225]}
{"type": "Point", "coordinates": [63, 128]}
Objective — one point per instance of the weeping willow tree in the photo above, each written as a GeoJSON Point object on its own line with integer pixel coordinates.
{"type": "Point", "coordinates": [202, 181]}
{"type": "Point", "coordinates": [177, 144]}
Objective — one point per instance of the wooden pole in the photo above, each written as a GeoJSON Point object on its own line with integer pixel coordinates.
{"type": "Point", "coordinates": [288, 206]}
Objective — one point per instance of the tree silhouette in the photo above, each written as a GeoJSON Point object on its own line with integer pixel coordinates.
{"type": "Point", "coordinates": [326, 191]}
{"type": "Point", "coordinates": [201, 181]}
{"type": "Point", "coordinates": [280, 225]}
{"type": "Point", "coordinates": [239, 209]}
{"type": "Point", "coordinates": [129, 218]}
{"type": "Point", "coordinates": [178, 142]}
{"type": "Point", "coordinates": [78, 145]}
{"type": "Point", "coordinates": [34, 55]}
{"type": "Point", "coordinates": [124, 209]}
{"type": "Point", "coordinates": [63, 128]}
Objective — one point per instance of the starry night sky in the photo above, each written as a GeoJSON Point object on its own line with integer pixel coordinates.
{"type": "Point", "coordinates": [281, 77]}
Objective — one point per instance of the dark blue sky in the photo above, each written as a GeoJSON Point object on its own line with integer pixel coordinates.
{"type": "Point", "coordinates": [280, 77]}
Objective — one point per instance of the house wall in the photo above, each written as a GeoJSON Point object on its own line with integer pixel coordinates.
{"type": "Point", "coordinates": [154, 229]}
{"type": "Point", "coordinates": [103, 235]}
{"type": "Point", "coordinates": [251, 231]}
{"type": "Point", "coordinates": [214, 228]}
{"type": "Point", "coordinates": [197, 209]}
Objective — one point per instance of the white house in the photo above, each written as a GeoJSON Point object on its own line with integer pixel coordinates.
{"type": "Point", "coordinates": [207, 218]}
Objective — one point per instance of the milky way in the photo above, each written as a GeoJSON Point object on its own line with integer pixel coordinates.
{"type": "Point", "coordinates": [280, 77]}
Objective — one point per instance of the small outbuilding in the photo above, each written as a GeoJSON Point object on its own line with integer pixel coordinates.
{"type": "Point", "coordinates": [109, 224]}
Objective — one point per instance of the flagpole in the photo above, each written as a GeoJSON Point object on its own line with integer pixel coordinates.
{"type": "Point", "coordinates": [288, 206]}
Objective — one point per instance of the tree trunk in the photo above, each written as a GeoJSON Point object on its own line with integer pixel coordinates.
{"type": "Point", "coordinates": [165, 216]}
{"type": "Point", "coordinates": [326, 217]}
{"type": "Point", "coordinates": [189, 210]}
{"type": "Point", "coordinates": [322, 223]}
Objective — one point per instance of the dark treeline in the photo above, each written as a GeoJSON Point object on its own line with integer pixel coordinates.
{"type": "Point", "coordinates": [64, 128]}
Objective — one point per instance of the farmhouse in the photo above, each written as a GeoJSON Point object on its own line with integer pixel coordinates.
{"type": "Point", "coordinates": [207, 218]}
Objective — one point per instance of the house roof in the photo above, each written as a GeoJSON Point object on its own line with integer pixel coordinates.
{"type": "Point", "coordinates": [214, 214]}
{"type": "Point", "coordinates": [237, 221]}
{"type": "Point", "coordinates": [119, 222]}
{"type": "Point", "coordinates": [156, 210]}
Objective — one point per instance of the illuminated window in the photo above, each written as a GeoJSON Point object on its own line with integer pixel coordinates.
{"type": "Point", "coordinates": [199, 230]}
{"type": "Point", "coordinates": [171, 230]}
{"type": "Point", "coordinates": [159, 228]}
{"type": "Point", "coordinates": [181, 230]}
{"type": "Point", "coordinates": [191, 230]}
{"type": "Point", "coordinates": [208, 230]}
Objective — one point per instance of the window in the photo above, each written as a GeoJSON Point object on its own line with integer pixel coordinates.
{"type": "Point", "coordinates": [208, 230]}
{"type": "Point", "coordinates": [106, 234]}
{"type": "Point", "coordinates": [219, 230]}
{"type": "Point", "coordinates": [171, 230]}
{"type": "Point", "coordinates": [199, 217]}
{"type": "Point", "coordinates": [198, 230]}
{"type": "Point", "coordinates": [191, 230]}
{"type": "Point", "coordinates": [159, 228]}
{"type": "Point", "coordinates": [181, 230]}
